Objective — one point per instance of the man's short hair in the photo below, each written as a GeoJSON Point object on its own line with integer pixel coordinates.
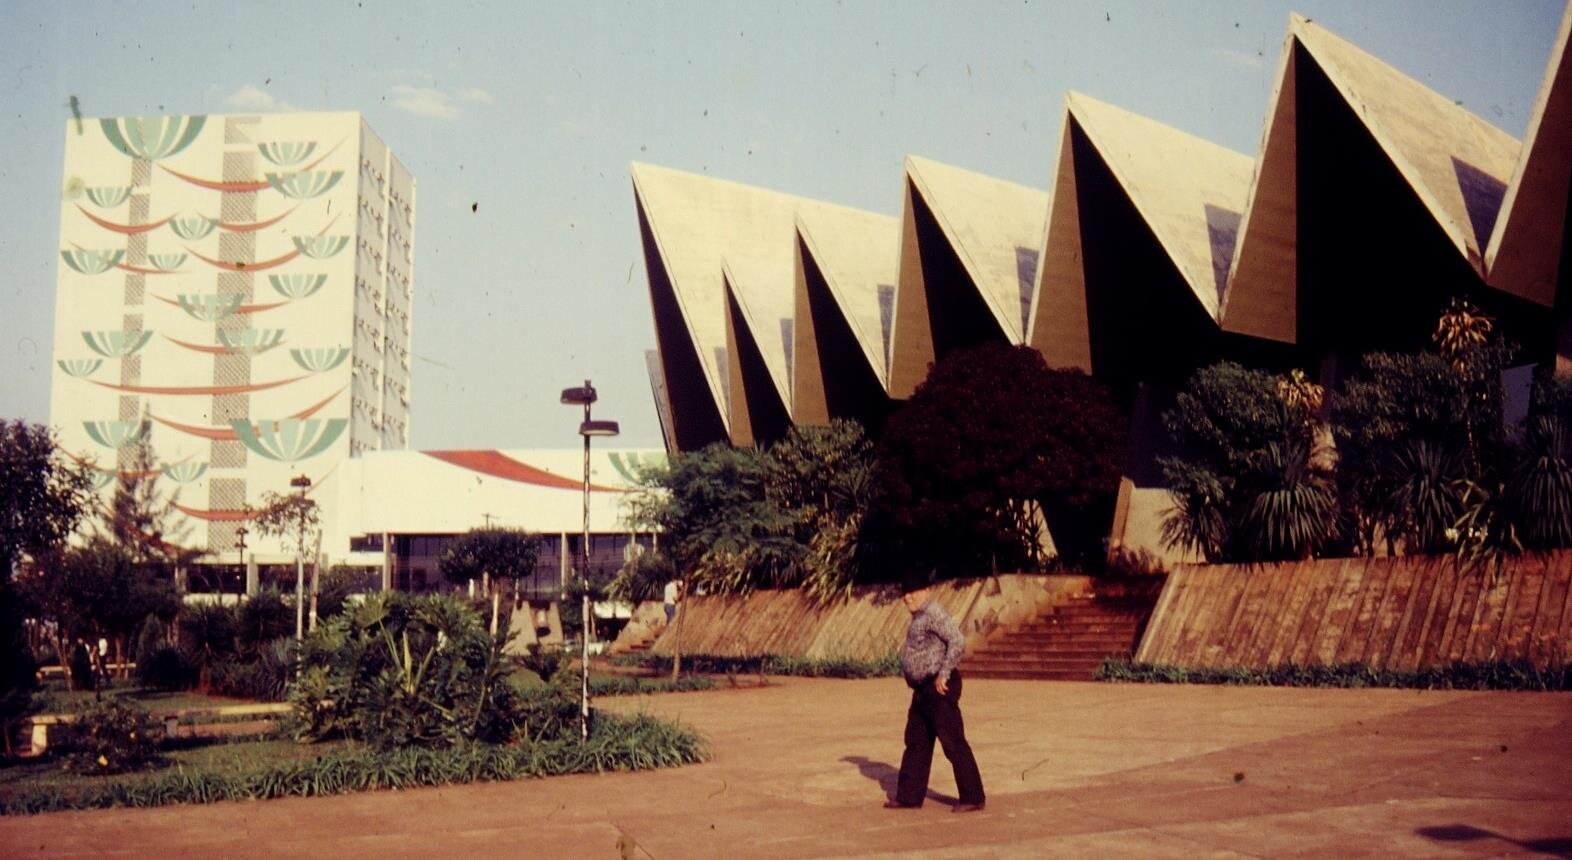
{"type": "Point", "coordinates": [916, 581]}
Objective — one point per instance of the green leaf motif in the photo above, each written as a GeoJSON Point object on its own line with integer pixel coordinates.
{"type": "Point", "coordinates": [116, 344]}
{"type": "Point", "coordinates": [304, 185]}
{"type": "Point", "coordinates": [320, 247]}
{"type": "Point", "coordinates": [286, 154]}
{"type": "Point", "coordinates": [319, 360]}
{"type": "Point", "coordinates": [194, 228]}
{"type": "Point", "coordinates": [116, 434]}
{"type": "Point", "coordinates": [210, 307]}
{"type": "Point", "coordinates": [184, 473]}
{"type": "Point", "coordinates": [290, 439]}
{"type": "Point", "coordinates": [81, 368]}
{"type": "Point", "coordinates": [296, 286]}
{"type": "Point", "coordinates": [152, 137]}
{"type": "Point", "coordinates": [92, 262]}
{"type": "Point", "coordinates": [251, 341]}
{"type": "Point", "coordinates": [109, 196]}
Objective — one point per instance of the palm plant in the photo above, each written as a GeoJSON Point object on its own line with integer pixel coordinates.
{"type": "Point", "coordinates": [1293, 510]}
{"type": "Point", "coordinates": [1425, 487]}
{"type": "Point", "coordinates": [1539, 491]}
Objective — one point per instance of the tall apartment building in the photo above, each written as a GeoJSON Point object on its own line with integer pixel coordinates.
{"type": "Point", "coordinates": [238, 290]}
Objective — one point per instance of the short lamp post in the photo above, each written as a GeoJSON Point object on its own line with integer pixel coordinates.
{"type": "Point", "coordinates": [301, 483]}
{"type": "Point", "coordinates": [585, 396]}
{"type": "Point", "coordinates": [240, 548]}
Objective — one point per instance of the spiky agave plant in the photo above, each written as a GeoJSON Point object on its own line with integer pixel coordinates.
{"type": "Point", "coordinates": [1426, 483]}
{"type": "Point", "coordinates": [1196, 522]}
{"type": "Point", "coordinates": [1539, 491]}
{"type": "Point", "coordinates": [1292, 510]}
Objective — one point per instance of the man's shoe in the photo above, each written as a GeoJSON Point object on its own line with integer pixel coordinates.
{"type": "Point", "coordinates": [896, 804]}
{"type": "Point", "coordinates": [968, 807]}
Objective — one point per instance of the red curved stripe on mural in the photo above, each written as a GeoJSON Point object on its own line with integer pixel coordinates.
{"type": "Point", "coordinates": [498, 465]}
{"type": "Point", "coordinates": [227, 434]}
{"type": "Point", "coordinates": [217, 186]}
{"type": "Point", "coordinates": [128, 229]}
{"type": "Point", "coordinates": [253, 226]}
{"type": "Point", "coordinates": [242, 309]}
{"type": "Point", "coordinates": [129, 476]}
{"type": "Point", "coordinates": [183, 390]}
{"type": "Point", "coordinates": [324, 156]}
{"type": "Point", "coordinates": [214, 516]}
{"type": "Point", "coordinates": [218, 350]}
{"type": "Point", "coordinates": [247, 267]}
{"type": "Point", "coordinates": [125, 267]}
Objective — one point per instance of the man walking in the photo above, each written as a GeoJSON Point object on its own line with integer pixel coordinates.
{"type": "Point", "coordinates": [929, 658]}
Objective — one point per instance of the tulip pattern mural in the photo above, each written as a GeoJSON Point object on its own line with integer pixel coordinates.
{"type": "Point", "coordinates": [240, 226]}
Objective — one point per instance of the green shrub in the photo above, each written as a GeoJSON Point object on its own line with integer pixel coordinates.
{"type": "Point", "coordinates": [400, 670]}
{"type": "Point", "coordinates": [166, 669]}
{"type": "Point", "coordinates": [265, 676]}
{"type": "Point", "coordinates": [262, 620]}
{"type": "Point", "coordinates": [615, 744]}
{"type": "Point", "coordinates": [1456, 676]}
{"type": "Point", "coordinates": [152, 636]}
{"type": "Point", "coordinates": [545, 662]}
{"type": "Point", "coordinates": [112, 736]}
{"type": "Point", "coordinates": [624, 685]}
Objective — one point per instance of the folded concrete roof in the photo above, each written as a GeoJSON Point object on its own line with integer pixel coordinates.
{"type": "Point", "coordinates": [857, 253]}
{"type": "Point", "coordinates": [1189, 193]}
{"type": "Point", "coordinates": [1457, 164]}
{"type": "Point", "coordinates": [1528, 243]}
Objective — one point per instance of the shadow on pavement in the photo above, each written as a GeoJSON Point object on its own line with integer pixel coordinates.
{"type": "Point", "coordinates": [1559, 846]}
{"type": "Point", "coordinates": [886, 775]}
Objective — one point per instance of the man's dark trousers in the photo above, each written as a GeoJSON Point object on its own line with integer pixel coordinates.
{"type": "Point", "coordinates": [934, 716]}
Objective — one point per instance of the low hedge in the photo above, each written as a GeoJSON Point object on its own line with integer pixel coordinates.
{"type": "Point", "coordinates": [770, 664]}
{"type": "Point", "coordinates": [1456, 676]}
{"type": "Point", "coordinates": [624, 685]}
{"type": "Point", "coordinates": [615, 744]}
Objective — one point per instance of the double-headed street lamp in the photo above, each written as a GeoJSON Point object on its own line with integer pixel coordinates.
{"type": "Point", "coordinates": [585, 395]}
{"type": "Point", "coordinates": [240, 548]}
{"type": "Point", "coordinates": [301, 483]}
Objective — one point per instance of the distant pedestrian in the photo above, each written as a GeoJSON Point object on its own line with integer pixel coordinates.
{"type": "Point", "coordinates": [671, 597]}
{"type": "Point", "coordinates": [929, 659]}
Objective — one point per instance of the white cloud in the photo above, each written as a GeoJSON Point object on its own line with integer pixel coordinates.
{"type": "Point", "coordinates": [423, 101]}
{"type": "Point", "coordinates": [435, 102]}
{"type": "Point", "coordinates": [1238, 58]}
{"type": "Point", "coordinates": [253, 98]}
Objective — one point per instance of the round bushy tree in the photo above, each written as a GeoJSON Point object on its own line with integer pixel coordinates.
{"type": "Point", "coordinates": [991, 445]}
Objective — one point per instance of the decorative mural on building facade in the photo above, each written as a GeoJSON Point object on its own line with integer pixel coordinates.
{"type": "Point", "coordinates": [244, 385]}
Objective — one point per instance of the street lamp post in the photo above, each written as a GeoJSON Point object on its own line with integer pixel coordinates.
{"type": "Point", "coordinates": [301, 483]}
{"type": "Point", "coordinates": [585, 396]}
{"type": "Point", "coordinates": [240, 549]}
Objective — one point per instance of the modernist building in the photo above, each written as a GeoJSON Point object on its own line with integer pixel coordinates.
{"type": "Point", "coordinates": [237, 290]}
{"type": "Point", "coordinates": [1372, 202]}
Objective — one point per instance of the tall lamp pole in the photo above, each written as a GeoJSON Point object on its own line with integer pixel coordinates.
{"type": "Point", "coordinates": [240, 548]}
{"type": "Point", "coordinates": [585, 396]}
{"type": "Point", "coordinates": [301, 483]}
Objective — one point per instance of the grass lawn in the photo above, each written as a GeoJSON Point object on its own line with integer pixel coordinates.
{"type": "Point", "coordinates": [55, 698]}
{"type": "Point", "coordinates": [216, 756]}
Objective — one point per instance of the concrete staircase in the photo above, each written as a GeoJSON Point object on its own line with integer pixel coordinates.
{"type": "Point", "coordinates": [1068, 642]}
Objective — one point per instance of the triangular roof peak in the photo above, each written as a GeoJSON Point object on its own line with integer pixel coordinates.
{"type": "Point", "coordinates": [995, 227]}
{"type": "Point", "coordinates": [1191, 192]}
{"type": "Point", "coordinates": [1457, 163]}
{"type": "Point", "coordinates": [857, 253]}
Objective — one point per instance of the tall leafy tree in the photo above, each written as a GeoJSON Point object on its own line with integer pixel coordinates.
{"type": "Point", "coordinates": [42, 498]}
{"type": "Point", "coordinates": [489, 554]}
{"type": "Point", "coordinates": [991, 446]}
{"type": "Point", "coordinates": [1249, 482]}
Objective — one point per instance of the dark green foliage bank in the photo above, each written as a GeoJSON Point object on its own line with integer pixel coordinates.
{"type": "Point", "coordinates": [615, 744]}
{"type": "Point", "coordinates": [1457, 676]}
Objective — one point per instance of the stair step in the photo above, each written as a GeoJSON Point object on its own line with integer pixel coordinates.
{"type": "Point", "coordinates": [1059, 653]}
{"type": "Point", "coordinates": [1028, 675]}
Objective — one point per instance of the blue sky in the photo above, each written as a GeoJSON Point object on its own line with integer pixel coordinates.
{"type": "Point", "coordinates": [531, 113]}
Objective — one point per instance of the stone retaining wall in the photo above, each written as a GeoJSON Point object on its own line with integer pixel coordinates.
{"type": "Point", "coordinates": [1393, 613]}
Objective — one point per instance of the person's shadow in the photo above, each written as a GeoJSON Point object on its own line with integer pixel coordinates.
{"type": "Point", "coordinates": [887, 776]}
